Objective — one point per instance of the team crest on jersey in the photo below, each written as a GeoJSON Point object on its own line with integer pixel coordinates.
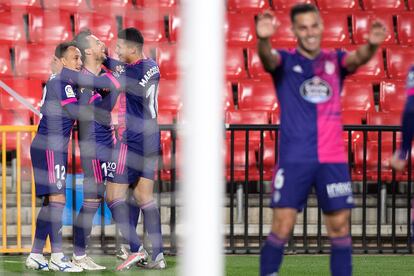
{"type": "Point", "coordinates": [315, 90]}
{"type": "Point", "coordinates": [69, 91]}
{"type": "Point", "coordinates": [329, 67]}
{"type": "Point", "coordinates": [59, 184]}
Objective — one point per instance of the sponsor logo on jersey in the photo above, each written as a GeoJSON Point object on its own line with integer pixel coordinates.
{"type": "Point", "coordinates": [339, 189]}
{"type": "Point", "coordinates": [315, 90]}
{"type": "Point", "coordinates": [69, 91]}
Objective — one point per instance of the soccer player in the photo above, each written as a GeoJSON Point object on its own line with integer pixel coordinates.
{"type": "Point", "coordinates": [399, 159]}
{"type": "Point", "coordinates": [136, 154]}
{"type": "Point", "coordinates": [96, 140]}
{"type": "Point", "coordinates": [308, 82]}
{"type": "Point", "coordinates": [49, 154]}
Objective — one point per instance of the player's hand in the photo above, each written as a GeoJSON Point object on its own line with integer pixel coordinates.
{"type": "Point", "coordinates": [377, 33]}
{"type": "Point", "coordinates": [56, 65]}
{"type": "Point", "coordinates": [396, 162]}
{"type": "Point", "coordinates": [266, 25]}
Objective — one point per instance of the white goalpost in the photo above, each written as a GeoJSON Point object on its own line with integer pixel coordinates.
{"type": "Point", "coordinates": [201, 54]}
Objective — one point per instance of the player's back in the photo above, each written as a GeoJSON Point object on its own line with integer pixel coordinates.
{"type": "Point", "coordinates": [138, 110]}
{"type": "Point", "coordinates": [56, 122]}
{"type": "Point", "coordinates": [309, 95]}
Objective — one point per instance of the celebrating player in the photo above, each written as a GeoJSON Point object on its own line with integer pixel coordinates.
{"type": "Point", "coordinates": [308, 82]}
{"type": "Point", "coordinates": [49, 154]}
{"type": "Point", "coordinates": [136, 154]}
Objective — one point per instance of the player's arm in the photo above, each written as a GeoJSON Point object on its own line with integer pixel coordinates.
{"type": "Point", "coordinates": [365, 52]}
{"type": "Point", "coordinates": [70, 103]}
{"type": "Point", "coordinates": [113, 64]}
{"type": "Point", "coordinates": [265, 28]}
{"type": "Point", "coordinates": [106, 80]}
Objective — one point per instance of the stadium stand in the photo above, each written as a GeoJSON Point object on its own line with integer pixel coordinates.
{"type": "Point", "coordinates": [335, 30]}
{"type": "Point", "coordinates": [358, 96]}
{"type": "Point", "coordinates": [405, 25]}
{"type": "Point", "coordinates": [12, 27]}
{"type": "Point", "coordinates": [156, 3]}
{"type": "Point", "coordinates": [373, 71]}
{"type": "Point", "coordinates": [5, 63]}
{"type": "Point", "coordinates": [25, 5]}
{"type": "Point", "coordinates": [67, 5]}
{"type": "Point", "coordinates": [31, 90]}
{"type": "Point", "coordinates": [385, 119]}
{"type": "Point", "coordinates": [248, 6]}
{"type": "Point", "coordinates": [150, 22]}
{"type": "Point", "coordinates": [169, 98]}
{"type": "Point", "coordinates": [338, 5]}
{"type": "Point", "coordinates": [399, 60]}
{"type": "Point", "coordinates": [104, 27]}
{"type": "Point", "coordinates": [50, 27]}
{"type": "Point", "coordinates": [255, 67]}
{"type": "Point", "coordinates": [386, 5]}
{"type": "Point", "coordinates": [240, 30]}
{"type": "Point", "coordinates": [287, 4]}
{"type": "Point", "coordinates": [167, 60]}
{"type": "Point", "coordinates": [257, 95]}
{"type": "Point", "coordinates": [240, 161]}
{"type": "Point", "coordinates": [361, 22]}
{"type": "Point", "coordinates": [392, 96]}
{"type": "Point", "coordinates": [235, 63]}
{"type": "Point", "coordinates": [283, 37]}
{"type": "Point", "coordinates": [247, 117]}
{"type": "Point", "coordinates": [33, 60]}
{"type": "Point", "coordinates": [118, 7]}
{"type": "Point", "coordinates": [174, 25]}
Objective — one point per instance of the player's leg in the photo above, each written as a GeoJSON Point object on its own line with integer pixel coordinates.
{"type": "Point", "coordinates": [334, 191]}
{"type": "Point", "coordinates": [271, 254]}
{"type": "Point", "coordinates": [143, 192]}
{"type": "Point", "coordinates": [291, 186]}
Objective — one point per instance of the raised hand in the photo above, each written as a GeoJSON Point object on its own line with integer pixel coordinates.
{"type": "Point", "coordinates": [266, 25]}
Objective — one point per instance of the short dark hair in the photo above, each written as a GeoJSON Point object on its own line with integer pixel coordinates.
{"type": "Point", "coordinates": [61, 49]}
{"type": "Point", "coordinates": [81, 42]}
{"type": "Point", "coordinates": [132, 35]}
{"type": "Point", "coordinates": [301, 8]}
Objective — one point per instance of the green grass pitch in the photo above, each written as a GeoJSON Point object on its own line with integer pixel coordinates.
{"type": "Point", "coordinates": [245, 265]}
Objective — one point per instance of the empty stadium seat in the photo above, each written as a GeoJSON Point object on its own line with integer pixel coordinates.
{"type": "Point", "coordinates": [30, 90]}
{"type": "Point", "coordinates": [387, 5]}
{"type": "Point", "coordinates": [392, 96]}
{"type": "Point", "coordinates": [372, 71]}
{"type": "Point", "coordinates": [358, 96]}
{"type": "Point", "coordinates": [338, 5]}
{"type": "Point", "coordinates": [118, 7]}
{"type": "Point", "coordinates": [247, 5]}
{"type": "Point", "coordinates": [228, 97]}
{"type": "Point", "coordinates": [157, 3]}
{"type": "Point", "coordinates": [33, 60]}
{"type": "Point", "coordinates": [169, 98]}
{"type": "Point", "coordinates": [399, 60]}
{"type": "Point", "coordinates": [174, 27]}
{"type": "Point", "coordinates": [167, 60]}
{"type": "Point", "coordinates": [240, 29]}
{"type": "Point", "coordinates": [5, 64]}
{"type": "Point", "coordinates": [247, 117]}
{"type": "Point", "coordinates": [353, 117]}
{"type": "Point", "coordinates": [257, 95]}
{"type": "Point", "coordinates": [240, 163]}
{"type": "Point", "coordinates": [167, 159]}
{"type": "Point", "coordinates": [49, 27]}
{"type": "Point", "coordinates": [255, 67]}
{"type": "Point", "coordinates": [287, 4]}
{"type": "Point", "coordinates": [362, 21]}
{"type": "Point", "coordinates": [335, 32]}
{"type": "Point", "coordinates": [67, 5]}
{"type": "Point", "coordinates": [234, 63]}
{"type": "Point", "coordinates": [405, 25]}
{"type": "Point", "coordinates": [283, 37]}
{"type": "Point", "coordinates": [22, 4]}
{"type": "Point", "coordinates": [12, 27]}
{"type": "Point", "coordinates": [149, 22]}
{"type": "Point", "coordinates": [104, 27]}
{"type": "Point", "coordinates": [384, 119]}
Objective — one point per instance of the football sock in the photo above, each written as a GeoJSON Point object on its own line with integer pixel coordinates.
{"type": "Point", "coordinates": [271, 254]}
{"type": "Point", "coordinates": [152, 223]}
{"type": "Point", "coordinates": [341, 256]}
{"type": "Point", "coordinates": [83, 226]}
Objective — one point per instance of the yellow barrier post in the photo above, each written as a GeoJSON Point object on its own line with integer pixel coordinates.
{"type": "Point", "coordinates": [18, 191]}
{"type": "Point", "coordinates": [4, 188]}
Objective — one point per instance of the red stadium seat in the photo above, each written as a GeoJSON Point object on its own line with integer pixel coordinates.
{"type": "Point", "coordinates": [405, 28]}
{"type": "Point", "coordinates": [255, 67]}
{"type": "Point", "coordinates": [240, 162]}
{"type": "Point", "coordinates": [361, 24]}
{"type": "Point", "coordinates": [167, 159]}
{"type": "Point", "coordinates": [174, 27]}
{"type": "Point", "coordinates": [234, 62]}
{"type": "Point", "coordinates": [388, 5]}
{"type": "Point", "coordinates": [372, 71]}
{"type": "Point", "coordinates": [169, 98]}
{"type": "Point", "coordinates": [228, 97]}
{"type": "Point", "coordinates": [5, 64]}
{"type": "Point", "coordinates": [283, 37]}
{"type": "Point", "coordinates": [247, 117]}
{"type": "Point", "coordinates": [14, 118]}
{"type": "Point", "coordinates": [338, 5]}
{"type": "Point", "coordinates": [383, 119]}
{"type": "Point", "coordinates": [247, 5]}
{"type": "Point", "coordinates": [167, 60]}
{"type": "Point", "coordinates": [149, 22]}
{"type": "Point", "coordinates": [287, 4]}
{"type": "Point", "coordinates": [392, 96]}
{"type": "Point", "coordinates": [410, 5]}
{"type": "Point", "coordinates": [335, 32]}
{"type": "Point", "coordinates": [31, 90]}
{"type": "Point", "coordinates": [21, 4]}
{"type": "Point", "coordinates": [104, 27]}
{"type": "Point", "coordinates": [157, 3]}
{"type": "Point", "coordinates": [12, 27]}
{"type": "Point", "coordinates": [353, 117]}
{"type": "Point", "coordinates": [240, 29]}
{"type": "Point", "coordinates": [269, 159]}
{"type": "Point", "coordinates": [358, 96]}
{"type": "Point", "coordinates": [399, 60]}
{"type": "Point", "coordinates": [67, 5]}
{"type": "Point", "coordinates": [257, 95]}
{"type": "Point", "coordinates": [118, 7]}
{"type": "Point", "coordinates": [49, 27]}
{"type": "Point", "coordinates": [33, 60]}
